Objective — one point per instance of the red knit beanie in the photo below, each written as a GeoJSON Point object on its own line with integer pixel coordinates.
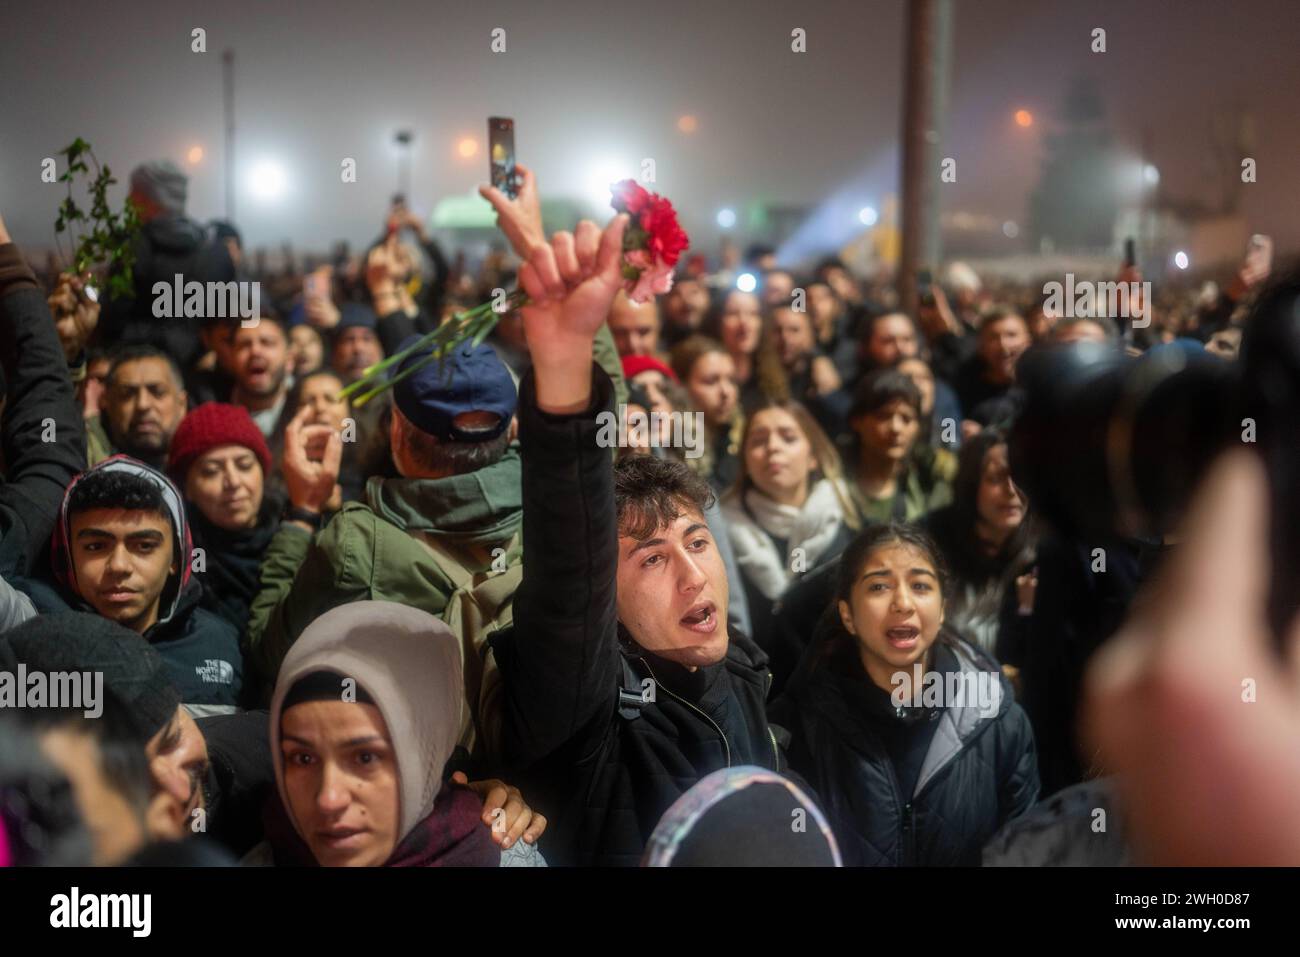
{"type": "Point", "coordinates": [634, 365]}
{"type": "Point", "coordinates": [208, 426]}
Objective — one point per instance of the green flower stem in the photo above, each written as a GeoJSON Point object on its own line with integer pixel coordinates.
{"type": "Point", "coordinates": [473, 326]}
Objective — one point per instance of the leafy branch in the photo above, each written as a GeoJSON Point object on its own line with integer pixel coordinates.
{"type": "Point", "coordinates": [101, 238]}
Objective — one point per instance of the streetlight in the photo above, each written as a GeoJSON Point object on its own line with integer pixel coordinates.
{"type": "Point", "coordinates": [267, 180]}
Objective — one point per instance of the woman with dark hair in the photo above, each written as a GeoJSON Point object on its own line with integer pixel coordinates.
{"type": "Point", "coordinates": [737, 322]}
{"type": "Point", "coordinates": [789, 511]}
{"type": "Point", "coordinates": [986, 537]}
{"type": "Point", "coordinates": [910, 735]}
{"type": "Point", "coordinates": [708, 372]}
{"type": "Point", "coordinates": [897, 475]}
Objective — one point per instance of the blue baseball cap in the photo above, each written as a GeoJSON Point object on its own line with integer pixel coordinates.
{"type": "Point", "coordinates": [469, 379]}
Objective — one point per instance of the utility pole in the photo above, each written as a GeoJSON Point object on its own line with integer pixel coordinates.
{"type": "Point", "coordinates": [925, 94]}
{"type": "Point", "coordinates": [228, 89]}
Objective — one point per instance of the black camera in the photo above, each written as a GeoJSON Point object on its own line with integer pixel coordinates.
{"type": "Point", "coordinates": [1109, 445]}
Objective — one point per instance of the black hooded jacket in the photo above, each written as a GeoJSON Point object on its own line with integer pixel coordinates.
{"type": "Point", "coordinates": [200, 649]}
{"type": "Point", "coordinates": [911, 786]}
{"type": "Point", "coordinates": [165, 247]}
{"type": "Point", "coordinates": [605, 735]}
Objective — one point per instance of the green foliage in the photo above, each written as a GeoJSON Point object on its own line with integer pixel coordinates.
{"type": "Point", "coordinates": [106, 238]}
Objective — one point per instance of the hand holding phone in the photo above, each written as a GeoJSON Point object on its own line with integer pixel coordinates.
{"type": "Point", "coordinates": [501, 155]}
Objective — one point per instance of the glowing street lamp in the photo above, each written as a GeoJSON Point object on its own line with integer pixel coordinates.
{"type": "Point", "coordinates": [267, 180]}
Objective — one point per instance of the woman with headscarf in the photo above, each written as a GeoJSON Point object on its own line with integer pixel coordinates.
{"type": "Point", "coordinates": [365, 716]}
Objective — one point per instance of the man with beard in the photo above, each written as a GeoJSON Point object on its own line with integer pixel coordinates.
{"type": "Point", "coordinates": [143, 402]}
{"type": "Point", "coordinates": [261, 361]}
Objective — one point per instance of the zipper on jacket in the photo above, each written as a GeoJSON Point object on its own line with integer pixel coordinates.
{"type": "Point", "coordinates": [658, 684]}
{"type": "Point", "coordinates": [776, 750]}
{"type": "Point", "coordinates": [904, 808]}
{"type": "Point", "coordinates": [908, 833]}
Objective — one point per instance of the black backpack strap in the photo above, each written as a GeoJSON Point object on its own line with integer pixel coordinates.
{"type": "Point", "coordinates": [630, 701]}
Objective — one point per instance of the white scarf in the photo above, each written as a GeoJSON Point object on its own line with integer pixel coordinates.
{"type": "Point", "coordinates": [807, 531]}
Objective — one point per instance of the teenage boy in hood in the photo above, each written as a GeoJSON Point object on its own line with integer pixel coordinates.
{"type": "Point", "coordinates": [122, 549]}
{"type": "Point", "coordinates": [622, 685]}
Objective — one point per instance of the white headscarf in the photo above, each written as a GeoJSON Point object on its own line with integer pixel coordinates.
{"type": "Point", "coordinates": [409, 663]}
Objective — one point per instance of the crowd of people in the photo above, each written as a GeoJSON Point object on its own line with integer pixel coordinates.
{"type": "Point", "coordinates": [453, 626]}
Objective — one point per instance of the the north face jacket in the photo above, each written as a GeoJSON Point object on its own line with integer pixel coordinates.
{"type": "Point", "coordinates": [973, 766]}
{"type": "Point", "coordinates": [201, 650]}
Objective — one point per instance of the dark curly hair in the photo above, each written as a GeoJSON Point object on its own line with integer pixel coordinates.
{"type": "Point", "coordinates": [650, 493]}
{"type": "Point", "coordinates": [115, 489]}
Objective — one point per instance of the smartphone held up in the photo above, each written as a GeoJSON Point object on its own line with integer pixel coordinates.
{"type": "Point", "coordinates": [501, 155]}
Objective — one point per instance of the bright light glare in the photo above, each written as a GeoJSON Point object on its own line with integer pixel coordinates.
{"type": "Point", "coordinates": [746, 282]}
{"type": "Point", "coordinates": [267, 180]}
{"type": "Point", "coordinates": [603, 175]}
{"type": "Point", "coordinates": [1151, 174]}
{"type": "Point", "coordinates": [467, 147]}
{"type": "Point", "coordinates": [687, 124]}
{"type": "Point", "coordinates": [868, 216]}
{"type": "Point", "coordinates": [195, 155]}
{"type": "Point", "coordinates": [1010, 229]}
{"type": "Point", "coordinates": [1024, 118]}
{"type": "Point", "coordinates": [1180, 259]}
{"type": "Point", "coordinates": [726, 218]}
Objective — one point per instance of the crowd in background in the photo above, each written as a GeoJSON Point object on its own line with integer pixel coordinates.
{"type": "Point", "coordinates": [231, 542]}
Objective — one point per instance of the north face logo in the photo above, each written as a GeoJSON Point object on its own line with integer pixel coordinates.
{"type": "Point", "coordinates": [215, 671]}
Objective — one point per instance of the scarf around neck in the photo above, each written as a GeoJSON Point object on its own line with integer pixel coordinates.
{"type": "Point", "coordinates": [812, 529]}
{"type": "Point", "coordinates": [453, 835]}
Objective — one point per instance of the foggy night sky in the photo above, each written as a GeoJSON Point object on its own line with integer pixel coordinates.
{"type": "Point", "coordinates": [593, 83]}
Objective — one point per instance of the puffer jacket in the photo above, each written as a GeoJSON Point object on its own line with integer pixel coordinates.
{"type": "Point", "coordinates": [978, 770]}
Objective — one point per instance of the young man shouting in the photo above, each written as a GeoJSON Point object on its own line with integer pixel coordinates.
{"type": "Point", "coordinates": [623, 687]}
